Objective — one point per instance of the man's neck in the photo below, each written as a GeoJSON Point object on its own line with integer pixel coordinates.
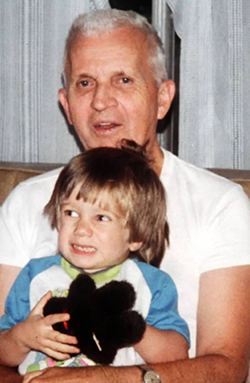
{"type": "Point", "coordinates": [157, 157]}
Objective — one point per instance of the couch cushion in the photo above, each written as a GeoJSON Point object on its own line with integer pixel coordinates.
{"type": "Point", "coordinates": [11, 176]}
{"type": "Point", "coordinates": [241, 177]}
{"type": "Point", "coordinates": [245, 184]}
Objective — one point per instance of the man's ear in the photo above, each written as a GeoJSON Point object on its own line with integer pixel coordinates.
{"type": "Point", "coordinates": [166, 94]}
{"type": "Point", "coordinates": [134, 246]}
{"type": "Point", "coordinates": [63, 98]}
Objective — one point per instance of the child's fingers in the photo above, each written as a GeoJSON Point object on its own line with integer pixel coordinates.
{"type": "Point", "coordinates": [38, 309]}
{"type": "Point", "coordinates": [56, 318]}
{"type": "Point", "coordinates": [59, 351]}
{"type": "Point", "coordinates": [56, 335]}
{"type": "Point", "coordinates": [64, 339]}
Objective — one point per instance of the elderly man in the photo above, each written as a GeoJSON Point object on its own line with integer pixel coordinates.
{"type": "Point", "coordinates": [116, 87]}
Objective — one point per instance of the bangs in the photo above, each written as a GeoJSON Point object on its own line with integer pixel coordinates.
{"type": "Point", "coordinates": [110, 197]}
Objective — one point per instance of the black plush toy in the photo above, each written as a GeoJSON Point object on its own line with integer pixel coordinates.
{"type": "Point", "coordinates": [101, 319]}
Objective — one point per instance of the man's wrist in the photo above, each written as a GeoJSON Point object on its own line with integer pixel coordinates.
{"type": "Point", "coordinates": [149, 375]}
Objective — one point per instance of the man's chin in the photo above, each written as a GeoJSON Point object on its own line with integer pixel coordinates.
{"type": "Point", "coordinates": [109, 143]}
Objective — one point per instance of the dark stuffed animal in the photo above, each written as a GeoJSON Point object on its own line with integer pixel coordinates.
{"type": "Point", "coordinates": [101, 319]}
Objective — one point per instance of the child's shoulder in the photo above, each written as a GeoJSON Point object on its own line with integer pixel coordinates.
{"type": "Point", "coordinates": [152, 274]}
{"type": "Point", "coordinates": [147, 267]}
{"type": "Point", "coordinates": [38, 265]}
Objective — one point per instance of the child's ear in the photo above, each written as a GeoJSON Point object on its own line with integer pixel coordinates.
{"type": "Point", "coordinates": [134, 246]}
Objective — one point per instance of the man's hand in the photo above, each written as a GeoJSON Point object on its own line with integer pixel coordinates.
{"type": "Point", "coordinates": [55, 375]}
{"type": "Point", "coordinates": [31, 375]}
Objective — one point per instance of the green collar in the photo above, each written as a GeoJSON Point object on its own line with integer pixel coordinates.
{"type": "Point", "coordinates": [99, 277]}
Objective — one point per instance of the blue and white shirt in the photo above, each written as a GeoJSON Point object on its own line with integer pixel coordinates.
{"type": "Point", "coordinates": [156, 299]}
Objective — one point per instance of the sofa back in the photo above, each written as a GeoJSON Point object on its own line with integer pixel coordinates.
{"type": "Point", "coordinates": [241, 177]}
{"type": "Point", "coordinates": [13, 173]}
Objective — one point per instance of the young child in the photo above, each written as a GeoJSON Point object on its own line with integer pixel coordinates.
{"type": "Point", "coordinates": [109, 208]}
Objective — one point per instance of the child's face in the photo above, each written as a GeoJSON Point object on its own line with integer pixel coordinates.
{"type": "Point", "coordinates": [90, 237]}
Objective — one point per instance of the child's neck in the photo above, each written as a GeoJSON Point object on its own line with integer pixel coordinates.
{"type": "Point", "coordinates": [100, 276]}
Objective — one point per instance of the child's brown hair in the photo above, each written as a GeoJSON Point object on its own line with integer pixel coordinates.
{"type": "Point", "coordinates": [119, 179]}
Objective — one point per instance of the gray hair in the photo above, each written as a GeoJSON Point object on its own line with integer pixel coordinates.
{"type": "Point", "coordinates": [94, 22]}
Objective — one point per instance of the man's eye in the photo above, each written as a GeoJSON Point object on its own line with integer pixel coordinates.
{"type": "Point", "coordinates": [103, 218]}
{"type": "Point", "coordinates": [70, 213]}
{"type": "Point", "coordinates": [125, 80]}
{"type": "Point", "coordinates": [84, 83]}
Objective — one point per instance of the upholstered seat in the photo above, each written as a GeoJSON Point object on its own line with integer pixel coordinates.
{"type": "Point", "coordinates": [11, 173]}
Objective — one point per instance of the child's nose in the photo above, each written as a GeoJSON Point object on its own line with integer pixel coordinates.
{"type": "Point", "coordinates": [83, 228]}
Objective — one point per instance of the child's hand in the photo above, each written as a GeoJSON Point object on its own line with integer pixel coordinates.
{"type": "Point", "coordinates": [39, 334]}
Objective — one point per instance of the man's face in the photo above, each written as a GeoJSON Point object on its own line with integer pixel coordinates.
{"type": "Point", "coordinates": [111, 92]}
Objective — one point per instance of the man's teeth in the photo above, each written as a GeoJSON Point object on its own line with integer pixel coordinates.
{"type": "Point", "coordinates": [106, 124]}
{"type": "Point", "coordinates": [84, 248]}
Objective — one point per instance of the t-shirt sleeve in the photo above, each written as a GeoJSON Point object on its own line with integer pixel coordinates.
{"type": "Point", "coordinates": [16, 231]}
{"type": "Point", "coordinates": [224, 239]}
{"type": "Point", "coordinates": [17, 306]}
{"type": "Point", "coordinates": [25, 232]}
{"type": "Point", "coordinates": [163, 313]}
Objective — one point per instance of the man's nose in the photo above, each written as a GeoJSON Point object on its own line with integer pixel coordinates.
{"type": "Point", "coordinates": [83, 228]}
{"type": "Point", "coordinates": [103, 97]}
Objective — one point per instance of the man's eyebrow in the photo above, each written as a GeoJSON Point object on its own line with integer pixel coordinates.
{"type": "Point", "coordinates": [122, 73]}
{"type": "Point", "coordinates": [84, 75]}
{"type": "Point", "coordinates": [115, 73]}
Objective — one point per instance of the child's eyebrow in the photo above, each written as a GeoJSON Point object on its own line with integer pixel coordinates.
{"type": "Point", "coordinates": [63, 204]}
{"type": "Point", "coordinates": [108, 211]}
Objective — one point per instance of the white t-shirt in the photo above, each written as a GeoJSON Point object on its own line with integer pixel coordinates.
{"type": "Point", "coordinates": [209, 219]}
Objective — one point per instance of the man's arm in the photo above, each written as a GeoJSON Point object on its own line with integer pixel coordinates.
{"type": "Point", "coordinates": [223, 323]}
{"type": "Point", "coordinates": [8, 275]}
{"type": "Point", "coordinates": [9, 375]}
{"type": "Point", "coordinates": [222, 347]}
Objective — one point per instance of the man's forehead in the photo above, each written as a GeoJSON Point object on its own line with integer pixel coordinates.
{"type": "Point", "coordinates": [98, 54]}
{"type": "Point", "coordinates": [122, 36]}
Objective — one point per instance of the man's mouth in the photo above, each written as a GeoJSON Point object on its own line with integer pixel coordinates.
{"type": "Point", "coordinates": [106, 126]}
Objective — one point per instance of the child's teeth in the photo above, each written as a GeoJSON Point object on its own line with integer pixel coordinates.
{"type": "Point", "coordinates": [83, 248]}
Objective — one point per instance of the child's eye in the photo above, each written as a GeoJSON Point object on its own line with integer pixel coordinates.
{"type": "Point", "coordinates": [71, 213]}
{"type": "Point", "coordinates": [103, 218]}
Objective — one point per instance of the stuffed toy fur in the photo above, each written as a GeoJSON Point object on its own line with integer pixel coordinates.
{"type": "Point", "coordinates": [101, 319]}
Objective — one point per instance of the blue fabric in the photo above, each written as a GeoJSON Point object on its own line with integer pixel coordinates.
{"type": "Point", "coordinates": [17, 305]}
{"type": "Point", "coordinates": [163, 313]}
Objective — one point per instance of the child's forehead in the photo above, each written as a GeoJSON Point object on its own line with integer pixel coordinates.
{"type": "Point", "coordinates": [102, 199]}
